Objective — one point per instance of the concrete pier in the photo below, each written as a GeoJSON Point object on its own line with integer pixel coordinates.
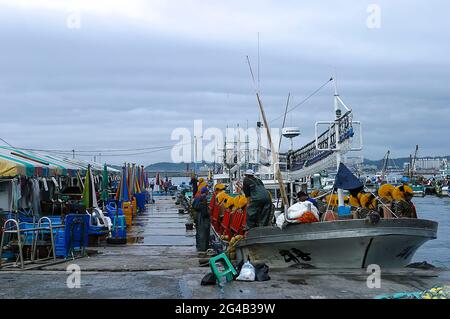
{"type": "Point", "coordinates": [160, 261]}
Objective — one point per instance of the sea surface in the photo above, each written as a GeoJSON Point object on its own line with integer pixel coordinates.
{"type": "Point", "coordinates": [435, 252]}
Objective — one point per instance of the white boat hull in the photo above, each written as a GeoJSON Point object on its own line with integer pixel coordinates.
{"type": "Point", "coordinates": [419, 193]}
{"type": "Point", "coordinates": [342, 244]}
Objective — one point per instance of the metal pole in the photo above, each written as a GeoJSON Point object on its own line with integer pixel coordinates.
{"type": "Point", "coordinates": [277, 171]}
{"type": "Point", "coordinates": [337, 111]}
{"type": "Point", "coordinates": [195, 154]}
{"type": "Point", "coordinates": [1, 246]}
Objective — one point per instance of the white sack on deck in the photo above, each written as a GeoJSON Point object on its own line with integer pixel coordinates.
{"type": "Point", "coordinates": [280, 220]}
{"type": "Point", "coordinates": [298, 209]}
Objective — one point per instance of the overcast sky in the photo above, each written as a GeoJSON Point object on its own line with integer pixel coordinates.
{"type": "Point", "coordinates": [135, 70]}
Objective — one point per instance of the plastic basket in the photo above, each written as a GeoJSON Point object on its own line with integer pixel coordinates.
{"type": "Point", "coordinates": [60, 248]}
{"type": "Point", "coordinates": [76, 232]}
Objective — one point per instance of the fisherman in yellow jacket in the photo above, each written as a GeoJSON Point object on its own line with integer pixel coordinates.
{"type": "Point", "coordinates": [201, 183]}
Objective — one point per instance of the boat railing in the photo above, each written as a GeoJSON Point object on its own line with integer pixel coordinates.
{"type": "Point", "coordinates": [322, 147]}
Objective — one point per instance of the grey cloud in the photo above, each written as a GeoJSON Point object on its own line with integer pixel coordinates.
{"type": "Point", "coordinates": [122, 84]}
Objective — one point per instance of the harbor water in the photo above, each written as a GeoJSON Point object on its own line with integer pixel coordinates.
{"type": "Point", "coordinates": [436, 252]}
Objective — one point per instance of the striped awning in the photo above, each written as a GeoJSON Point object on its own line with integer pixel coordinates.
{"type": "Point", "coordinates": [14, 162]}
{"type": "Point", "coordinates": [19, 162]}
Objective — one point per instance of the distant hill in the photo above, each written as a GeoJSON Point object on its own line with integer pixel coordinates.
{"type": "Point", "coordinates": [399, 162]}
{"type": "Point", "coordinates": [183, 167]}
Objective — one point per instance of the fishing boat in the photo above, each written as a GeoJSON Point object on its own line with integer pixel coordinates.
{"type": "Point", "coordinates": [343, 243]}
{"type": "Point", "coordinates": [339, 244]}
{"type": "Point", "coordinates": [419, 190]}
{"type": "Point", "coordinates": [415, 180]}
{"type": "Point", "coordinates": [445, 191]}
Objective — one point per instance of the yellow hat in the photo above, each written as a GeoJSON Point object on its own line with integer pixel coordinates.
{"type": "Point", "coordinates": [408, 190]}
{"type": "Point", "coordinates": [240, 201]}
{"type": "Point", "coordinates": [332, 199]}
{"type": "Point", "coordinates": [400, 192]}
{"type": "Point", "coordinates": [219, 187]}
{"type": "Point", "coordinates": [386, 192]}
{"type": "Point", "coordinates": [314, 193]}
{"type": "Point", "coordinates": [221, 197]}
{"type": "Point", "coordinates": [354, 201]}
{"type": "Point", "coordinates": [368, 201]}
{"type": "Point", "coordinates": [228, 202]}
{"type": "Point", "coordinates": [236, 202]}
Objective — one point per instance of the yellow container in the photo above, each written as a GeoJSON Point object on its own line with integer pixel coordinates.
{"type": "Point", "coordinates": [128, 212]}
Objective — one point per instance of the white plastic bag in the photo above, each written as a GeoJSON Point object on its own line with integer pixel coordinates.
{"type": "Point", "coordinates": [247, 272]}
{"type": "Point", "coordinates": [281, 220]}
{"type": "Point", "coordinates": [298, 209]}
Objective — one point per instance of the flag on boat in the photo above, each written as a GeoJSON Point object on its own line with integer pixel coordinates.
{"type": "Point", "coordinates": [345, 179]}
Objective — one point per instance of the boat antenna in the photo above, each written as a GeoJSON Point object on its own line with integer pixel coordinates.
{"type": "Point", "coordinates": [275, 159]}
{"type": "Point", "coordinates": [304, 100]}
{"type": "Point", "coordinates": [259, 64]}
{"type": "Point", "coordinates": [284, 120]}
{"type": "Point", "coordinates": [251, 72]}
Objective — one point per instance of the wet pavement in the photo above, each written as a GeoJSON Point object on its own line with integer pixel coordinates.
{"type": "Point", "coordinates": [160, 261]}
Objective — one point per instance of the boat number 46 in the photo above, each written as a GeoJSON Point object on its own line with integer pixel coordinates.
{"type": "Point", "coordinates": [294, 254]}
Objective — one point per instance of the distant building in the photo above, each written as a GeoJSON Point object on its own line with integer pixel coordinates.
{"type": "Point", "coordinates": [429, 163]}
{"type": "Point", "coordinates": [204, 169]}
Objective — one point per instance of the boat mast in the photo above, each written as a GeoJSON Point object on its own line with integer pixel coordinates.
{"type": "Point", "coordinates": [413, 163]}
{"type": "Point", "coordinates": [385, 164]}
{"type": "Point", "coordinates": [238, 153]}
{"type": "Point", "coordinates": [247, 150]}
{"type": "Point", "coordinates": [275, 159]}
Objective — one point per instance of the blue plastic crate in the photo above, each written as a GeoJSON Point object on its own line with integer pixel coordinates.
{"type": "Point", "coordinates": [97, 230]}
{"type": "Point", "coordinates": [119, 228]}
{"type": "Point", "coordinates": [344, 211]}
{"type": "Point", "coordinates": [110, 208]}
{"type": "Point", "coordinates": [27, 235]}
{"type": "Point", "coordinates": [56, 220]}
{"type": "Point", "coordinates": [60, 247]}
{"type": "Point", "coordinates": [76, 232]}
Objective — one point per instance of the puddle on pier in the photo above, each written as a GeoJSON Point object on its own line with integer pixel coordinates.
{"type": "Point", "coordinates": [163, 240]}
{"type": "Point", "coordinates": [161, 226]}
